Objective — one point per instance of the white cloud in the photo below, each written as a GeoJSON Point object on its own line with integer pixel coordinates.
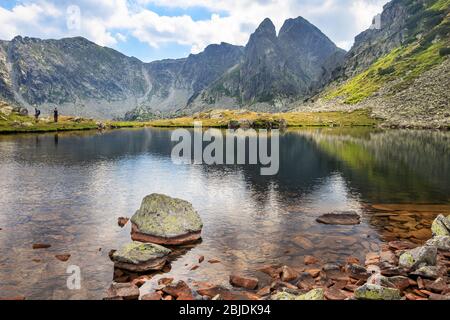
{"type": "Point", "coordinates": [108, 22]}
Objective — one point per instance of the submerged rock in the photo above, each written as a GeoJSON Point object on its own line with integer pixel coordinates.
{"type": "Point", "coordinates": [376, 292]}
{"type": "Point", "coordinates": [41, 246]}
{"type": "Point", "coordinates": [140, 257]}
{"type": "Point", "coordinates": [288, 274]}
{"type": "Point", "coordinates": [122, 221]}
{"type": "Point", "coordinates": [344, 218]}
{"type": "Point", "coordinates": [167, 221]}
{"type": "Point", "coordinates": [441, 226]}
{"type": "Point", "coordinates": [418, 257]}
{"type": "Point", "coordinates": [63, 257]}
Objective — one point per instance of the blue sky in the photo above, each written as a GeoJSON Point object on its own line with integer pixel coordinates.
{"type": "Point", "coordinates": [157, 29]}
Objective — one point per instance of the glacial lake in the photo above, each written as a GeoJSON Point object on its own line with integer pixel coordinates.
{"type": "Point", "coordinates": [68, 190]}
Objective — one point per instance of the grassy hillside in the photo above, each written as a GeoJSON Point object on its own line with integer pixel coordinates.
{"type": "Point", "coordinates": [428, 46]}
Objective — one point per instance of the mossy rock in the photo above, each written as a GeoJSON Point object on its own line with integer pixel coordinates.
{"type": "Point", "coordinates": [419, 257]}
{"type": "Point", "coordinates": [165, 220]}
{"type": "Point", "coordinates": [315, 294]}
{"type": "Point", "coordinates": [283, 296]}
{"type": "Point", "coordinates": [376, 292]}
{"type": "Point", "coordinates": [441, 242]}
{"type": "Point", "coordinates": [441, 226]}
{"type": "Point", "coordinates": [139, 257]}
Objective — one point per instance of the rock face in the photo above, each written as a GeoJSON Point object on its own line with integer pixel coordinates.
{"type": "Point", "coordinates": [167, 221]}
{"type": "Point", "coordinates": [140, 257]}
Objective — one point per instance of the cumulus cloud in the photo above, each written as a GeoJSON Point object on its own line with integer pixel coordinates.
{"type": "Point", "coordinates": [108, 22]}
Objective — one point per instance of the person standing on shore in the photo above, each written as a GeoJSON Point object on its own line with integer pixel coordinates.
{"type": "Point", "coordinates": [37, 113]}
{"type": "Point", "coordinates": [55, 115]}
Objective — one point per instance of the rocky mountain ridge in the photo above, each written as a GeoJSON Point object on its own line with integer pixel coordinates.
{"type": "Point", "coordinates": [82, 78]}
{"type": "Point", "coordinates": [275, 69]}
{"type": "Point", "coordinates": [388, 70]}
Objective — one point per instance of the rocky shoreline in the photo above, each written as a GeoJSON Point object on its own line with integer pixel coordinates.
{"type": "Point", "coordinates": [401, 270]}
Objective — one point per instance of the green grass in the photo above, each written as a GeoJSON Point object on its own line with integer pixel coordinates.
{"type": "Point", "coordinates": [404, 64]}
{"type": "Point", "coordinates": [293, 119]}
{"type": "Point", "coordinates": [440, 5]}
{"type": "Point", "coordinates": [15, 124]}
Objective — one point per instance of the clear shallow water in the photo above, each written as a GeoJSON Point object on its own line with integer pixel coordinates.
{"type": "Point", "coordinates": [69, 189]}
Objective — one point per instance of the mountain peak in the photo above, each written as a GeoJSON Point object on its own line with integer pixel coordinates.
{"type": "Point", "coordinates": [296, 25]}
{"type": "Point", "coordinates": [267, 27]}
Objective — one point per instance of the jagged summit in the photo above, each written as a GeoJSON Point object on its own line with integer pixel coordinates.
{"type": "Point", "coordinates": [266, 27]}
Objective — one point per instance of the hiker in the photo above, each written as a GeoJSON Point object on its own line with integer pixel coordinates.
{"type": "Point", "coordinates": [55, 114]}
{"type": "Point", "coordinates": [37, 113]}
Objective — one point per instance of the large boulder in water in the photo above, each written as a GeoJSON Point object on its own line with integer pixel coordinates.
{"type": "Point", "coordinates": [167, 221]}
{"type": "Point", "coordinates": [340, 218]}
{"type": "Point", "coordinates": [140, 257]}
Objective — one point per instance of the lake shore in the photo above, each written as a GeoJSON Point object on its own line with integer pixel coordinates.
{"type": "Point", "coordinates": [15, 123]}
{"type": "Point", "coordinates": [400, 270]}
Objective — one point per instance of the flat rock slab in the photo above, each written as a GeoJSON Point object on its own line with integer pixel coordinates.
{"type": "Point", "coordinates": [122, 291]}
{"type": "Point", "coordinates": [250, 283]}
{"type": "Point", "coordinates": [344, 218]}
{"type": "Point", "coordinates": [140, 257]}
{"type": "Point", "coordinates": [166, 221]}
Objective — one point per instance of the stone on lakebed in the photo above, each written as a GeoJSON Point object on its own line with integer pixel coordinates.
{"type": "Point", "coordinates": [140, 257]}
{"type": "Point", "coordinates": [166, 221]}
{"type": "Point", "coordinates": [340, 218]}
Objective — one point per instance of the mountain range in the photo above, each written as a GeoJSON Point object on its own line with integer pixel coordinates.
{"type": "Point", "coordinates": [298, 68]}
